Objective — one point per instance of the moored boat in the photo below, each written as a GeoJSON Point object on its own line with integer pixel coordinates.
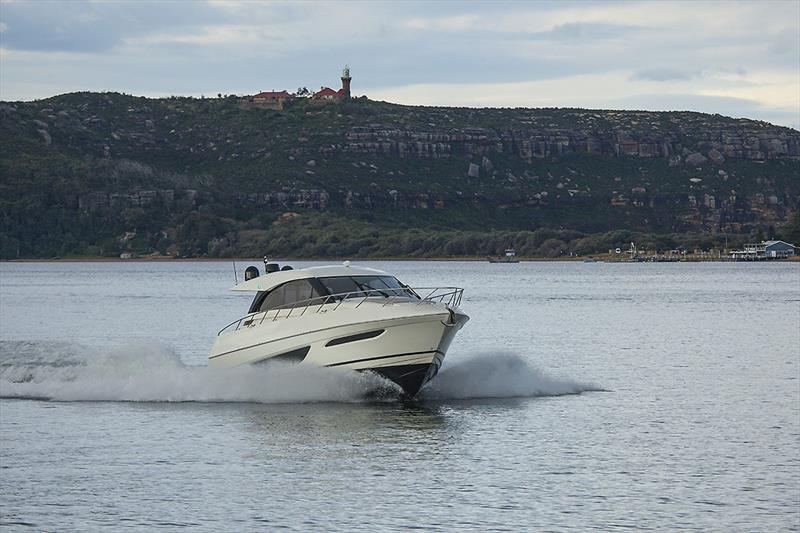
{"type": "Point", "coordinates": [510, 256]}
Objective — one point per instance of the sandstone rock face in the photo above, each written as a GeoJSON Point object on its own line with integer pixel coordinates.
{"type": "Point", "coordinates": [695, 159]}
{"type": "Point", "coordinates": [542, 143]}
{"type": "Point", "coordinates": [45, 136]}
{"type": "Point", "coordinates": [716, 157]}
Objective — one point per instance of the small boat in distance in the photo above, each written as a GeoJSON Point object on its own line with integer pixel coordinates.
{"type": "Point", "coordinates": [509, 257]}
{"type": "Point", "coordinates": [343, 316]}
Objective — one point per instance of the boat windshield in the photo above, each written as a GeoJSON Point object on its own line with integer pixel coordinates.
{"type": "Point", "coordinates": [358, 286]}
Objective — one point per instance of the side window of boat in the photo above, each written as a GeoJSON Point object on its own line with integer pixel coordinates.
{"type": "Point", "coordinates": [342, 285]}
{"type": "Point", "coordinates": [290, 293]}
{"type": "Point", "coordinates": [301, 290]}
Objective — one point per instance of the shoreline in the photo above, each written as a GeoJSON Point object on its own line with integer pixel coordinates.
{"type": "Point", "coordinates": [585, 259]}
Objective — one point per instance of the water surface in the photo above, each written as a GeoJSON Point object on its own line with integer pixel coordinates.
{"type": "Point", "coordinates": [580, 396]}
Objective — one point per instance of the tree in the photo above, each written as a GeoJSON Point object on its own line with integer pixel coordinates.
{"type": "Point", "coordinates": [791, 231]}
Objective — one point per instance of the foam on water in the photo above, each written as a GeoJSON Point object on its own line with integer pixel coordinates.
{"type": "Point", "coordinates": [153, 373]}
{"type": "Point", "coordinates": [145, 373]}
{"type": "Point", "coordinates": [498, 375]}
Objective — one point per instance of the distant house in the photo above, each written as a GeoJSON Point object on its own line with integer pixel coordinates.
{"type": "Point", "coordinates": [272, 99]}
{"type": "Point", "coordinates": [778, 249]}
{"type": "Point", "coordinates": [271, 96]}
{"type": "Point", "coordinates": [326, 93]}
{"type": "Point", "coordinates": [764, 250]}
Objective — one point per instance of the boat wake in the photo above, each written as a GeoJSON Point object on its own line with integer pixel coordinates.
{"type": "Point", "coordinates": [152, 373]}
{"type": "Point", "coordinates": [498, 375]}
{"type": "Point", "coordinates": [142, 373]}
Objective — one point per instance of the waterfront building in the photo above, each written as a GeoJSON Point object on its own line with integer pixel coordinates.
{"type": "Point", "coordinates": [764, 250]}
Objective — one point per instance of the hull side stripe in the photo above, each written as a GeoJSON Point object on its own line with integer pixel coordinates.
{"type": "Point", "coordinates": [383, 357]}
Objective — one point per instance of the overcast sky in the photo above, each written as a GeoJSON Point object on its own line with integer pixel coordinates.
{"type": "Point", "coordinates": [740, 59]}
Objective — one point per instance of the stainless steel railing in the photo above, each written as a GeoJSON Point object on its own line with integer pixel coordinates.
{"type": "Point", "coordinates": [449, 296]}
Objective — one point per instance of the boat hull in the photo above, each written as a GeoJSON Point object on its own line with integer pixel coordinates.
{"type": "Point", "coordinates": [410, 378]}
{"type": "Point", "coordinates": [404, 343]}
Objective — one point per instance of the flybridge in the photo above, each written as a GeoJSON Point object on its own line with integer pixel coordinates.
{"type": "Point", "coordinates": [276, 276]}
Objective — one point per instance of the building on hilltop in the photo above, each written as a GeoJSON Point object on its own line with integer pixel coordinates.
{"type": "Point", "coordinates": [326, 93]}
{"type": "Point", "coordinates": [280, 99]}
{"type": "Point", "coordinates": [345, 90]}
{"type": "Point", "coordinates": [272, 99]}
{"type": "Point", "coordinates": [272, 96]}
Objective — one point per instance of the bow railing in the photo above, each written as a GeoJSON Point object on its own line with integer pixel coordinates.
{"type": "Point", "coordinates": [449, 296]}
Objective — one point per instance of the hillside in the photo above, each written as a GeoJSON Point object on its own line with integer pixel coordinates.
{"type": "Point", "coordinates": [98, 174]}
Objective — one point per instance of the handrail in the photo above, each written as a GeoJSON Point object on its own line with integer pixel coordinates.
{"type": "Point", "coordinates": [449, 296]}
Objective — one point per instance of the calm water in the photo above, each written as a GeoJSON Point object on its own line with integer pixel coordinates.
{"type": "Point", "coordinates": [580, 396]}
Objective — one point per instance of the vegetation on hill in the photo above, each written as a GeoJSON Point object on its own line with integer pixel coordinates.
{"type": "Point", "coordinates": [102, 174]}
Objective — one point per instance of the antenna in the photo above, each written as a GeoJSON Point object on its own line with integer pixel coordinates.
{"type": "Point", "coordinates": [235, 277]}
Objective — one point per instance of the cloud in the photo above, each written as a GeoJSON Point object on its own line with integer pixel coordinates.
{"type": "Point", "coordinates": [586, 31]}
{"type": "Point", "coordinates": [565, 53]}
{"type": "Point", "coordinates": [454, 23]}
{"type": "Point", "coordinates": [664, 74]}
{"type": "Point", "coordinates": [94, 27]}
{"type": "Point", "coordinates": [786, 43]}
{"type": "Point", "coordinates": [221, 35]}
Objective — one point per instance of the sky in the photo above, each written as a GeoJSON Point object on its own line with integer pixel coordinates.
{"type": "Point", "coordinates": [739, 59]}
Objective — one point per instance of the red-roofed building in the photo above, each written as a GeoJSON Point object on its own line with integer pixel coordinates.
{"type": "Point", "coordinates": [271, 96]}
{"type": "Point", "coordinates": [326, 93]}
{"type": "Point", "coordinates": [272, 99]}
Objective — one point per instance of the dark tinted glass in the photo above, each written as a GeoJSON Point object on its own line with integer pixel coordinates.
{"type": "Point", "coordinates": [342, 285]}
{"type": "Point", "coordinates": [373, 285]}
{"type": "Point", "coordinates": [358, 286]}
{"type": "Point", "coordinates": [290, 293]}
{"type": "Point", "coordinates": [394, 284]}
{"type": "Point", "coordinates": [391, 282]}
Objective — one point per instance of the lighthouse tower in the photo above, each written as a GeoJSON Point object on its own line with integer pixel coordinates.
{"type": "Point", "coordinates": [346, 82]}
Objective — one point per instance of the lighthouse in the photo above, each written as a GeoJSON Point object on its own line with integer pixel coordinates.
{"type": "Point", "coordinates": [346, 83]}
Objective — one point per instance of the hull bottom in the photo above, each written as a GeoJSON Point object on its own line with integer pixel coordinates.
{"type": "Point", "coordinates": [412, 377]}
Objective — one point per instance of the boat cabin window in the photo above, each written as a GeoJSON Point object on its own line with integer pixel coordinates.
{"type": "Point", "coordinates": [290, 293]}
{"type": "Point", "coordinates": [358, 286]}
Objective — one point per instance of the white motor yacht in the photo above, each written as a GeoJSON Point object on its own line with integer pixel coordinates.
{"type": "Point", "coordinates": [343, 316]}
